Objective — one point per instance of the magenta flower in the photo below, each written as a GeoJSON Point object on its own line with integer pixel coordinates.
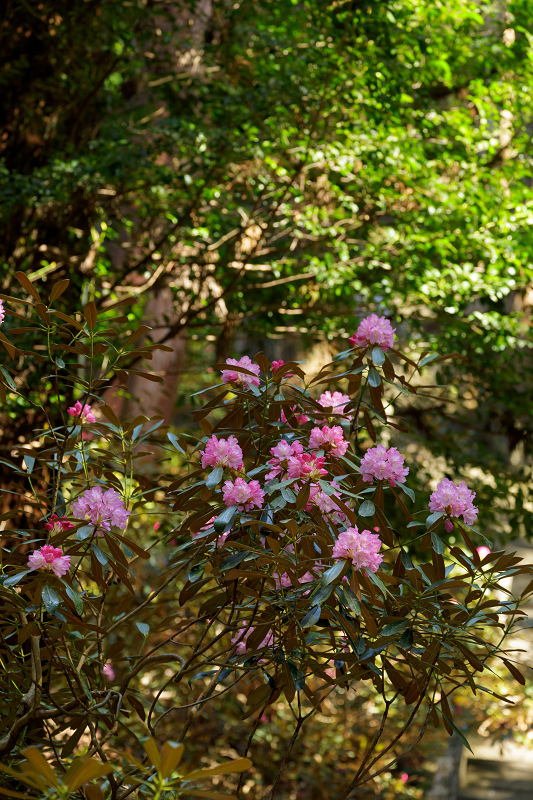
{"type": "Point", "coordinates": [301, 419]}
{"type": "Point", "coordinates": [282, 452]}
{"type": "Point", "coordinates": [101, 508]}
{"type": "Point", "coordinates": [109, 672]}
{"type": "Point", "coordinates": [222, 453]}
{"type": "Point", "coordinates": [455, 501]}
{"type": "Point", "coordinates": [277, 364]}
{"type": "Point", "coordinates": [244, 495]}
{"type": "Point", "coordinates": [284, 580]}
{"type": "Point", "coordinates": [306, 466]}
{"type": "Point", "coordinates": [2, 312]}
{"type": "Point", "coordinates": [361, 548]}
{"type": "Point", "coordinates": [329, 439]}
{"type": "Point", "coordinates": [483, 551]}
{"type": "Point", "coordinates": [83, 412]}
{"type": "Point", "coordinates": [49, 559]}
{"type": "Point", "coordinates": [56, 525]}
{"type": "Point", "coordinates": [336, 401]}
{"type": "Point", "coordinates": [374, 330]}
{"type": "Point", "coordinates": [238, 378]}
{"type": "Point", "coordinates": [383, 465]}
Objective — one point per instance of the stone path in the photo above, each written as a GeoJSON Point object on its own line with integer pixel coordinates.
{"type": "Point", "coordinates": [497, 780]}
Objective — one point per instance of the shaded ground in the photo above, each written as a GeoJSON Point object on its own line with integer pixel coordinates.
{"type": "Point", "coordinates": [497, 780]}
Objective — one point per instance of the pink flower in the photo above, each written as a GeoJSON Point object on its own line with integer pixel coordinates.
{"type": "Point", "coordinates": [306, 466]}
{"type": "Point", "coordinates": [2, 312]}
{"type": "Point", "coordinates": [301, 419]}
{"type": "Point", "coordinates": [384, 465]}
{"type": "Point", "coordinates": [285, 580]}
{"type": "Point", "coordinates": [56, 525]}
{"type": "Point", "coordinates": [84, 412]}
{"type": "Point", "coordinates": [282, 452]}
{"type": "Point", "coordinates": [109, 672]}
{"type": "Point", "coordinates": [374, 330]}
{"type": "Point", "coordinates": [483, 551]}
{"type": "Point", "coordinates": [101, 508]}
{"type": "Point", "coordinates": [222, 453]}
{"type": "Point", "coordinates": [361, 548]}
{"type": "Point", "coordinates": [326, 503]}
{"type": "Point", "coordinates": [245, 495]}
{"type": "Point", "coordinates": [241, 378]}
{"type": "Point", "coordinates": [277, 364]}
{"type": "Point", "coordinates": [50, 559]}
{"type": "Point", "coordinates": [336, 401]}
{"type": "Point", "coordinates": [454, 501]}
{"type": "Point", "coordinates": [329, 439]}
{"type": "Point", "coordinates": [241, 641]}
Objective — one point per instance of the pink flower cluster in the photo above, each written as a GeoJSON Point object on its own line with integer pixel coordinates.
{"type": "Point", "coordinates": [101, 508]}
{"type": "Point", "coordinates": [239, 378]}
{"type": "Point", "coordinates": [284, 580]}
{"type": "Point", "coordinates": [282, 452]}
{"type": "Point", "coordinates": [306, 466]}
{"type": "Point", "coordinates": [383, 465]}
{"type": "Point", "coordinates": [361, 548]}
{"type": "Point", "coordinates": [455, 501]}
{"type": "Point", "coordinates": [241, 641]}
{"type": "Point", "coordinates": [329, 439]}
{"type": "Point", "coordinates": [109, 672]}
{"type": "Point", "coordinates": [374, 330]}
{"type": "Point", "coordinates": [2, 312]}
{"type": "Point", "coordinates": [244, 495]}
{"type": "Point", "coordinates": [222, 453]}
{"type": "Point", "coordinates": [325, 502]}
{"type": "Point", "coordinates": [83, 412]}
{"type": "Point", "coordinates": [336, 401]}
{"type": "Point", "coordinates": [49, 559]}
{"type": "Point", "coordinates": [56, 525]}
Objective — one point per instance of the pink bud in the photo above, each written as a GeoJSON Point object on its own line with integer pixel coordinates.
{"type": "Point", "coordinates": [404, 777]}
{"type": "Point", "coordinates": [448, 525]}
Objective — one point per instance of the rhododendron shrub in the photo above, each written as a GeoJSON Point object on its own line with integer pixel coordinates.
{"type": "Point", "coordinates": [274, 562]}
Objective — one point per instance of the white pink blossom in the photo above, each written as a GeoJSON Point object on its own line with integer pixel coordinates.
{"type": "Point", "coordinates": [336, 401]}
{"type": "Point", "coordinates": [483, 551]}
{"type": "Point", "coordinates": [307, 466]}
{"type": "Point", "coordinates": [282, 452]}
{"type": "Point", "coordinates": [109, 672]}
{"type": "Point", "coordinates": [103, 509]}
{"type": "Point", "coordinates": [284, 580]}
{"type": "Point", "coordinates": [220, 539]}
{"type": "Point", "coordinates": [455, 501]}
{"type": "Point", "coordinates": [384, 465]}
{"type": "Point", "coordinates": [83, 412]}
{"type": "Point", "coordinates": [329, 439]}
{"type": "Point", "coordinates": [244, 495]}
{"type": "Point", "coordinates": [239, 378]}
{"type": "Point", "coordinates": [222, 453]}
{"type": "Point", "coordinates": [49, 559]}
{"type": "Point", "coordinates": [361, 548]}
{"type": "Point", "coordinates": [374, 330]}
{"type": "Point", "coordinates": [2, 312]}
{"type": "Point", "coordinates": [56, 525]}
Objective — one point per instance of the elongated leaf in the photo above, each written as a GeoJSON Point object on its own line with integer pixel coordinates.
{"type": "Point", "coordinates": [143, 628]}
{"type": "Point", "coordinates": [50, 598]}
{"type": "Point", "coordinates": [311, 617]}
{"type": "Point", "coordinates": [100, 555]}
{"type": "Point", "coordinates": [374, 378]}
{"type": "Point", "coordinates": [12, 580]}
{"type": "Point", "coordinates": [76, 599]}
{"type": "Point", "coordinates": [224, 520]}
{"type": "Point", "coordinates": [214, 478]}
{"type": "Point", "coordinates": [378, 356]}
{"type": "Point", "coordinates": [433, 518]}
{"type": "Point", "coordinates": [367, 509]}
{"type": "Point", "coordinates": [238, 765]}
{"type": "Point", "coordinates": [332, 573]}
{"type": "Point", "coordinates": [438, 545]}
{"type": "Point", "coordinates": [171, 754]}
